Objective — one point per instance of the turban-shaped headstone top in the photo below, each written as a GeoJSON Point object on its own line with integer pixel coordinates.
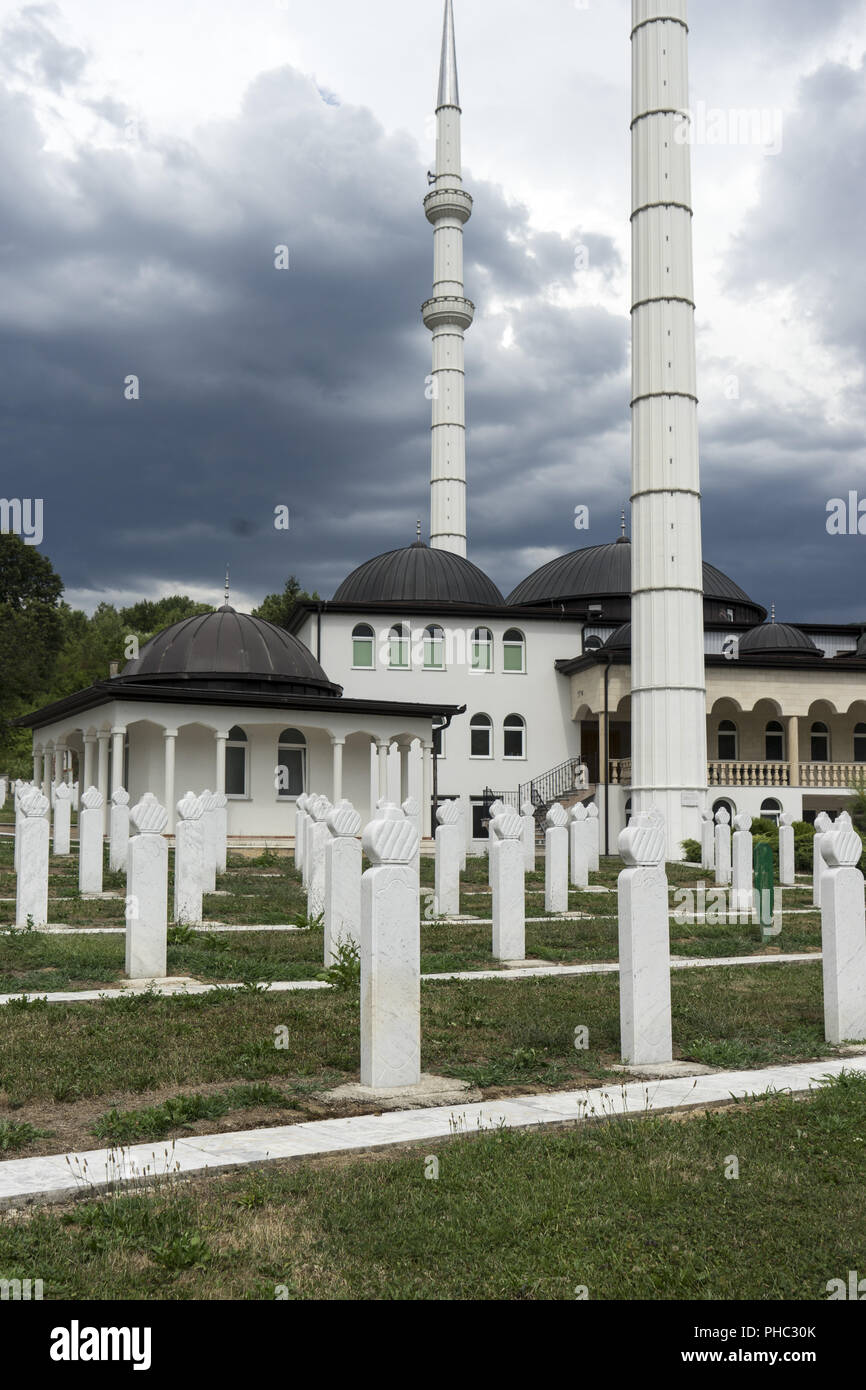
{"type": "Point", "coordinates": [592, 811]}
{"type": "Point", "coordinates": [411, 807]}
{"type": "Point", "coordinates": [786, 819]}
{"type": "Point", "coordinates": [497, 808]}
{"type": "Point", "coordinates": [507, 827]}
{"type": "Point", "coordinates": [119, 797]}
{"type": "Point", "coordinates": [344, 821]}
{"type": "Point", "coordinates": [823, 823]}
{"type": "Point", "coordinates": [723, 817]}
{"type": "Point", "coordinates": [742, 822]}
{"type": "Point", "coordinates": [842, 847]}
{"type": "Point", "coordinates": [448, 813]}
{"type": "Point", "coordinates": [63, 791]}
{"type": "Point", "coordinates": [527, 809]}
{"type": "Point", "coordinates": [190, 807]}
{"type": "Point", "coordinates": [148, 817]}
{"type": "Point", "coordinates": [642, 843]}
{"type": "Point", "coordinates": [92, 799]}
{"type": "Point", "coordinates": [391, 838]}
{"type": "Point", "coordinates": [33, 804]}
{"type": "Point", "coordinates": [579, 812]}
{"type": "Point", "coordinates": [557, 816]}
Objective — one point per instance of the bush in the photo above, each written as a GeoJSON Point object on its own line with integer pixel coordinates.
{"type": "Point", "coordinates": [692, 851]}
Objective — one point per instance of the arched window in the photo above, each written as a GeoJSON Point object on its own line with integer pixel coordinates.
{"type": "Point", "coordinates": [481, 736]}
{"type": "Point", "coordinates": [860, 743]}
{"type": "Point", "coordinates": [398, 648]}
{"type": "Point", "coordinates": [722, 805]}
{"type": "Point", "coordinates": [820, 743]}
{"type": "Point", "coordinates": [482, 649]}
{"type": "Point", "coordinates": [771, 810]}
{"type": "Point", "coordinates": [774, 742]}
{"type": "Point", "coordinates": [514, 737]}
{"type": "Point", "coordinates": [362, 647]}
{"type": "Point", "coordinates": [434, 648]}
{"type": "Point", "coordinates": [236, 762]}
{"type": "Point", "coordinates": [514, 651]}
{"type": "Point", "coordinates": [592, 644]}
{"type": "Point", "coordinates": [291, 763]}
{"type": "Point", "coordinates": [727, 741]}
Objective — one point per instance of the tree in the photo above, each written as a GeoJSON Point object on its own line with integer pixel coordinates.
{"type": "Point", "coordinates": [150, 616]}
{"type": "Point", "coordinates": [31, 634]}
{"type": "Point", "coordinates": [278, 608]}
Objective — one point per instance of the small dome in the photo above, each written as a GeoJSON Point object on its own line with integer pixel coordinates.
{"type": "Point", "coordinates": [601, 575]}
{"type": "Point", "coordinates": [419, 574]}
{"type": "Point", "coordinates": [861, 646]}
{"type": "Point", "coordinates": [777, 640]}
{"type": "Point", "coordinates": [229, 649]}
{"type": "Point", "coordinates": [620, 640]}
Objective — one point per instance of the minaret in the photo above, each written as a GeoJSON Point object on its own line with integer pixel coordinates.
{"type": "Point", "coordinates": [668, 707]}
{"type": "Point", "coordinates": [448, 314]}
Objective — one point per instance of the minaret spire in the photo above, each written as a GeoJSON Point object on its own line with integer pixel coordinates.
{"type": "Point", "coordinates": [449, 313]}
{"type": "Point", "coordinates": [669, 702]}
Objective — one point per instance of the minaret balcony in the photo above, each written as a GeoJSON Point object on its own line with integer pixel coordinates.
{"type": "Point", "coordinates": [448, 202]}
{"type": "Point", "coordinates": [448, 311]}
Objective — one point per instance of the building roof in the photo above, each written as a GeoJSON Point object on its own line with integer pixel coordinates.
{"type": "Point", "coordinates": [419, 574]}
{"type": "Point", "coordinates": [776, 639]}
{"type": "Point", "coordinates": [232, 648]}
{"type": "Point", "coordinates": [603, 571]}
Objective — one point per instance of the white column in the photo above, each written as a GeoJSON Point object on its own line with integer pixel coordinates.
{"type": "Point", "coordinates": [86, 778]}
{"type": "Point", "coordinates": [221, 737]}
{"type": "Point", "coordinates": [189, 861]}
{"type": "Point", "coordinates": [394, 789]}
{"type": "Point", "coordinates": [823, 824]}
{"type": "Point", "coordinates": [46, 773]}
{"type": "Point", "coordinates": [337, 745]}
{"type": "Point", "coordinates": [118, 840]}
{"type": "Point", "coordinates": [62, 817]}
{"type": "Point", "coordinates": [787, 870]}
{"type": "Point", "coordinates": [170, 746]}
{"type": "Point", "coordinates": [427, 798]}
{"type": "Point", "coordinates": [793, 722]}
{"type": "Point", "coordinates": [118, 736]}
{"type": "Point", "coordinates": [383, 747]}
{"type": "Point", "coordinates": [37, 767]}
{"type": "Point", "coordinates": [102, 775]}
{"type": "Point", "coordinates": [57, 775]}
{"type": "Point", "coordinates": [723, 848]}
{"type": "Point", "coordinates": [644, 944]}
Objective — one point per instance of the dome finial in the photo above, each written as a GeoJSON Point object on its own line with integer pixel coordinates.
{"type": "Point", "coordinates": [622, 530]}
{"type": "Point", "coordinates": [419, 528]}
{"type": "Point", "coordinates": [772, 613]}
{"type": "Point", "coordinates": [227, 587]}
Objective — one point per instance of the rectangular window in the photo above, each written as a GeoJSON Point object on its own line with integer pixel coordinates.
{"type": "Point", "coordinates": [433, 653]}
{"type": "Point", "coordinates": [290, 775]}
{"type": "Point", "coordinates": [399, 659]}
{"type": "Point", "coordinates": [482, 656]}
{"type": "Point", "coordinates": [236, 771]}
{"type": "Point", "coordinates": [479, 742]}
{"type": "Point", "coordinates": [513, 743]}
{"type": "Point", "coordinates": [362, 652]}
{"type": "Point", "coordinates": [512, 656]}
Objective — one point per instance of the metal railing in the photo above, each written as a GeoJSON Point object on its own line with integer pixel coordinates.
{"type": "Point", "coordinates": [568, 777]}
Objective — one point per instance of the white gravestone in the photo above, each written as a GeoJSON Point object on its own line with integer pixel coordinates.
{"type": "Point", "coordinates": [509, 910]}
{"type": "Point", "coordinates": [723, 848]}
{"type": "Point", "coordinates": [412, 811]}
{"type": "Point", "coordinates": [118, 835]}
{"type": "Point", "coordinates": [147, 893]}
{"type": "Point", "coordinates": [527, 812]}
{"type": "Point", "coordinates": [447, 870]}
{"type": "Point", "coordinates": [317, 838]}
{"type": "Point", "coordinates": [75, 791]}
{"type": "Point", "coordinates": [220, 830]}
{"type": "Point", "coordinates": [342, 879]}
{"type": "Point", "coordinates": [189, 861]}
{"type": "Point", "coordinates": [708, 841]}
{"type": "Point", "coordinates": [209, 832]}
{"type": "Point", "coordinates": [465, 827]}
{"type": "Point", "coordinates": [644, 944]}
{"type": "Point", "coordinates": [3, 790]}
{"type": "Point", "coordinates": [300, 817]}
{"type": "Point", "coordinates": [580, 834]}
{"type": "Point", "coordinates": [742, 876]}
{"type": "Point", "coordinates": [843, 934]}
{"type": "Point", "coordinates": [20, 788]}
{"type": "Point", "coordinates": [390, 954]}
{"type": "Point", "coordinates": [62, 818]}
{"type": "Point", "coordinates": [787, 870]}
{"type": "Point", "coordinates": [90, 822]}
{"type": "Point", "coordinates": [496, 808]}
{"type": "Point", "coordinates": [594, 837]}
{"type": "Point", "coordinates": [556, 860]}
{"type": "Point", "coordinates": [31, 887]}
{"type": "Point", "coordinates": [823, 824]}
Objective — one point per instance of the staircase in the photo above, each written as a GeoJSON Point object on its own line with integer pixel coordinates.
{"type": "Point", "coordinates": [568, 784]}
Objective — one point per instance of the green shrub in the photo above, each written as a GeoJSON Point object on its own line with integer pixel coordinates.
{"type": "Point", "coordinates": [692, 851]}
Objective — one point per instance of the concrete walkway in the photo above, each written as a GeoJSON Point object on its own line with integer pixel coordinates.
{"type": "Point", "coordinates": [533, 972]}
{"type": "Point", "coordinates": [59, 1177]}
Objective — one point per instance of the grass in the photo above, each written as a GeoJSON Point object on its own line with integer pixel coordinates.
{"type": "Point", "coordinates": [616, 1210]}
{"type": "Point", "coordinates": [16, 1135]}
{"type": "Point", "coordinates": [118, 1127]}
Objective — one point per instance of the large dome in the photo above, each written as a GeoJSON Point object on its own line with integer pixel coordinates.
{"type": "Point", "coordinates": [229, 649]}
{"type": "Point", "coordinates": [418, 574]}
{"type": "Point", "coordinates": [600, 576]}
{"type": "Point", "coordinates": [778, 640]}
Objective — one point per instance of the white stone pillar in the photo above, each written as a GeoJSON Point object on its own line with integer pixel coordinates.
{"type": "Point", "coordinates": [742, 875]}
{"type": "Point", "coordinates": [169, 753]}
{"type": "Point", "coordinates": [91, 820]}
{"type": "Point", "coordinates": [383, 747]}
{"type": "Point", "coordinates": [209, 832]}
{"type": "Point", "coordinates": [189, 861]}
{"type": "Point", "coordinates": [556, 860]}
{"type": "Point", "coordinates": [823, 824]}
{"type": "Point", "coordinates": [427, 828]}
{"type": "Point", "coordinates": [37, 772]}
{"type": "Point", "coordinates": [220, 831]}
{"type": "Point", "coordinates": [221, 738]}
{"type": "Point", "coordinates": [374, 777]}
{"type": "Point", "coordinates": [390, 954]}
{"type": "Point", "coordinates": [300, 821]}
{"type": "Point", "coordinates": [87, 775]}
{"type": "Point", "coordinates": [147, 893]}
{"type": "Point", "coordinates": [708, 841]}
{"type": "Point", "coordinates": [787, 863]}
{"type": "Point", "coordinates": [496, 808]}
{"type": "Point", "coordinates": [57, 775]}
{"type": "Point", "coordinates": [412, 811]}
{"type": "Point", "coordinates": [793, 722]}
{"type": "Point", "coordinates": [723, 848]}
{"type": "Point", "coordinates": [447, 870]}
{"type": "Point", "coordinates": [509, 902]}
{"type": "Point", "coordinates": [580, 837]}
{"type": "Point", "coordinates": [118, 736]}
{"type": "Point", "coordinates": [320, 809]}
{"type": "Point", "coordinates": [46, 774]}
{"type": "Point", "coordinates": [118, 840]}
{"type": "Point", "coordinates": [62, 818]}
{"type": "Point", "coordinates": [394, 787]}
{"type": "Point", "coordinates": [102, 773]}
{"type": "Point", "coordinates": [594, 837]}
{"type": "Point", "coordinates": [17, 793]}
{"type": "Point", "coordinates": [337, 746]}
{"type": "Point", "coordinates": [843, 933]}
{"type": "Point", "coordinates": [31, 838]}
{"type": "Point", "coordinates": [644, 944]}
{"type": "Point", "coordinates": [342, 856]}
{"type": "Point", "coordinates": [527, 812]}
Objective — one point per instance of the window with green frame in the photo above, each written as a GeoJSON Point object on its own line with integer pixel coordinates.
{"type": "Point", "coordinates": [362, 646]}
{"type": "Point", "coordinates": [398, 648]}
{"type": "Point", "coordinates": [514, 651]}
{"type": "Point", "coordinates": [482, 649]}
{"type": "Point", "coordinates": [434, 648]}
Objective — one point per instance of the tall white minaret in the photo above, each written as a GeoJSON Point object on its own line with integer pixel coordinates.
{"type": "Point", "coordinates": [448, 314]}
{"type": "Point", "coordinates": [668, 707]}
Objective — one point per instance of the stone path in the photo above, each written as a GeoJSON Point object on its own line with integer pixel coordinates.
{"type": "Point", "coordinates": [78, 996]}
{"type": "Point", "coordinates": [58, 1177]}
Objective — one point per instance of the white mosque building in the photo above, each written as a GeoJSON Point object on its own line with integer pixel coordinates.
{"type": "Point", "coordinates": [438, 685]}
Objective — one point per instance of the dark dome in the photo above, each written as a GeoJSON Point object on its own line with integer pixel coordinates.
{"type": "Point", "coordinates": [601, 575]}
{"type": "Point", "coordinates": [620, 640]}
{"type": "Point", "coordinates": [861, 646]}
{"type": "Point", "coordinates": [418, 574]}
{"type": "Point", "coordinates": [777, 640]}
{"type": "Point", "coordinates": [231, 650]}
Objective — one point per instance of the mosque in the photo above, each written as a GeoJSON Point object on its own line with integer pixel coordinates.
{"type": "Point", "coordinates": [439, 686]}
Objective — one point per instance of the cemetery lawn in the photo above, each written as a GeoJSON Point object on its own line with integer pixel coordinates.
{"type": "Point", "coordinates": [636, 1209]}
{"type": "Point", "coordinates": [65, 1067]}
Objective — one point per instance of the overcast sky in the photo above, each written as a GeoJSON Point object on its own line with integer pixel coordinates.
{"type": "Point", "coordinates": [153, 155]}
